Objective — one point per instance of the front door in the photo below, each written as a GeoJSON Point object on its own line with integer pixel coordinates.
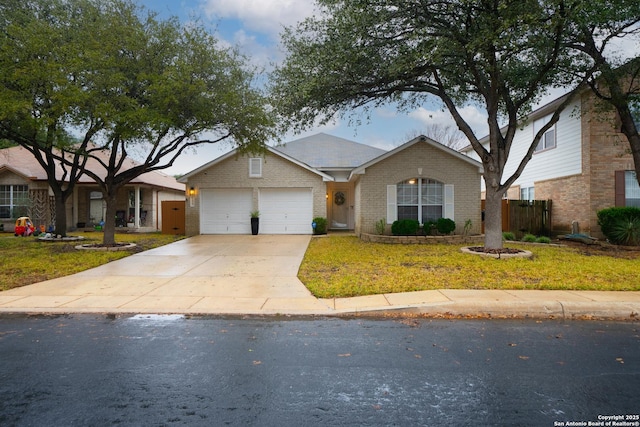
{"type": "Point", "coordinates": [340, 210]}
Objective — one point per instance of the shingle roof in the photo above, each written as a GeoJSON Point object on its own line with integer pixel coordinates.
{"type": "Point", "coordinates": [323, 151]}
{"type": "Point", "coordinates": [20, 161]}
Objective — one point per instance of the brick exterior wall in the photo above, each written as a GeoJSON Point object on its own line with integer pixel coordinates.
{"type": "Point", "coordinates": [604, 151]}
{"type": "Point", "coordinates": [437, 164]}
{"type": "Point", "coordinates": [233, 172]}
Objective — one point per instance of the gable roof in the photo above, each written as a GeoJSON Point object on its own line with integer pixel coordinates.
{"type": "Point", "coordinates": [21, 162]}
{"type": "Point", "coordinates": [185, 178]}
{"type": "Point", "coordinates": [361, 169]}
{"type": "Point", "coordinates": [323, 151]}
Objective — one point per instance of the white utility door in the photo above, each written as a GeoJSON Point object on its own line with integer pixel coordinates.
{"type": "Point", "coordinates": [286, 211]}
{"type": "Point", "coordinates": [225, 210]}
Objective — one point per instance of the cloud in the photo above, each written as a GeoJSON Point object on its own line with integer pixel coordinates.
{"type": "Point", "coordinates": [265, 16]}
{"type": "Point", "coordinates": [387, 112]}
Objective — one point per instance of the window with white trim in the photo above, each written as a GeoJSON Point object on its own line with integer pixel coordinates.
{"type": "Point", "coordinates": [255, 167]}
{"type": "Point", "coordinates": [421, 199]}
{"type": "Point", "coordinates": [14, 201]}
{"type": "Point", "coordinates": [548, 139]}
{"type": "Point", "coordinates": [631, 189]}
{"type": "Point", "coordinates": [527, 193]}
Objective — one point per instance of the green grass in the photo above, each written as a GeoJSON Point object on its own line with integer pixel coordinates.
{"type": "Point", "coordinates": [26, 260]}
{"type": "Point", "coordinates": [341, 266]}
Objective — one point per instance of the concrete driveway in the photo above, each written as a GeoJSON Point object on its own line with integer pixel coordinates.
{"type": "Point", "coordinates": [203, 274]}
{"type": "Point", "coordinates": [258, 275]}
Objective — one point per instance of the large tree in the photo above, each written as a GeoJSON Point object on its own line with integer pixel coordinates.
{"type": "Point", "coordinates": [137, 84]}
{"type": "Point", "coordinates": [500, 55]}
{"type": "Point", "coordinates": [610, 37]}
{"type": "Point", "coordinates": [42, 93]}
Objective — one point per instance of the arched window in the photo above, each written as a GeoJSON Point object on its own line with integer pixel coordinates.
{"type": "Point", "coordinates": [421, 199]}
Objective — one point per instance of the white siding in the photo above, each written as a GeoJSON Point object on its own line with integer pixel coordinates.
{"type": "Point", "coordinates": [563, 160]}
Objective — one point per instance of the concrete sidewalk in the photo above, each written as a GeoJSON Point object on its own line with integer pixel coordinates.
{"type": "Point", "coordinates": [257, 275]}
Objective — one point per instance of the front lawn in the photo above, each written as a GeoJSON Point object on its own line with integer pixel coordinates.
{"type": "Point", "coordinates": [343, 266]}
{"type": "Point", "coordinates": [26, 260]}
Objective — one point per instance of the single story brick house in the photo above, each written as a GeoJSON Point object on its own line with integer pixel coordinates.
{"type": "Point", "coordinates": [352, 185]}
{"type": "Point", "coordinates": [24, 190]}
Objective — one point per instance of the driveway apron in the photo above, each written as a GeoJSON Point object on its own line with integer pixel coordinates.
{"type": "Point", "coordinates": [208, 274]}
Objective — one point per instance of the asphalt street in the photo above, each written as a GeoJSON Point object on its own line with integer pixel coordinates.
{"type": "Point", "coordinates": [152, 370]}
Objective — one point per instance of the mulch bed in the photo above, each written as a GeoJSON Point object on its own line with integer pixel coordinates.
{"type": "Point", "coordinates": [604, 249]}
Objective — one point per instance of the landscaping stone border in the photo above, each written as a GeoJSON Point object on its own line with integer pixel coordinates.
{"type": "Point", "coordinates": [522, 254]}
{"type": "Point", "coordinates": [55, 238]}
{"type": "Point", "coordinates": [118, 247]}
{"type": "Point", "coordinates": [454, 239]}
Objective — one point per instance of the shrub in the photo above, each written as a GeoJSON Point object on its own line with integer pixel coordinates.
{"type": "Point", "coordinates": [543, 239]}
{"type": "Point", "coordinates": [428, 228]}
{"type": "Point", "coordinates": [626, 231]}
{"type": "Point", "coordinates": [530, 238]}
{"type": "Point", "coordinates": [380, 226]}
{"type": "Point", "coordinates": [321, 225]}
{"type": "Point", "coordinates": [405, 227]}
{"type": "Point", "coordinates": [467, 226]}
{"type": "Point", "coordinates": [607, 219]}
{"type": "Point", "coordinates": [507, 235]}
{"type": "Point", "coordinates": [445, 226]}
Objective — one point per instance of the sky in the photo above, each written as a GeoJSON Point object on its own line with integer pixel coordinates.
{"type": "Point", "coordinates": [254, 26]}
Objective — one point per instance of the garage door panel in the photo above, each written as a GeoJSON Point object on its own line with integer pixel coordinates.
{"type": "Point", "coordinates": [225, 211]}
{"type": "Point", "coordinates": [286, 210]}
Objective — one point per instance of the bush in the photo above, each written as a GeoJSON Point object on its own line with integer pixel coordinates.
{"type": "Point", "coordinates": [614, 218]}
{"type": "Point", "coordinates": [381, 226]}
{"type": "Point", "coordinates": [405, 227]}
{"type": "Point", "coordinates": [530, 238]}
{"type": "Point", "coordinates": [445, 226]}
{"type": "Point", "coordinates": [428, 228]}
{"type": "Point", "coordinates": [507, 235]}
{"type": "Point", "coordinates": [626, 231]}
{"type": "Point", "coordinates": [543, 239]}
{"type": "Point", "coordinates": [321, 225]}
{"type": "Point", "coordinates": [467, 226]}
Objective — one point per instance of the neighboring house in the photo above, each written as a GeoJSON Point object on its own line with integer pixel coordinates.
{"type": "Point", "coordinates": [24, 191]}
{"type": "Point", "coordinates": [352, 185]}
{"type": "Point", "coordinates": [582, 165]}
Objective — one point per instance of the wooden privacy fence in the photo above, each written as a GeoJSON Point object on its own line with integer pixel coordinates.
{"type": "Point", "coordinates": [522, 217]}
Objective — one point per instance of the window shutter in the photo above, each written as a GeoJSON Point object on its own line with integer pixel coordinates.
{"type": "Point", "coordinates": [255, 167]}
{"type": "Point", "coordinates": [621, 199]}
{"type": "Point", "coordinates": [392, 201]}
{"type": "Point", "coordinates": [448, 202]}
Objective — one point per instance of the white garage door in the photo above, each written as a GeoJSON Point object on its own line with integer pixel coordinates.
{"type": "Point", "coordinates": [286, 211]}
{"type": "Point", "coordinates": [225, 211]}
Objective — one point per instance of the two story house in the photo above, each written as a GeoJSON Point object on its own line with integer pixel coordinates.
{"type": "Point", "coordinates": [582, 164]}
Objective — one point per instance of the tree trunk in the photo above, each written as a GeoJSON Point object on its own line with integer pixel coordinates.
{"type": "Point", "coordinates": [634, 145]}
{"type": "Point", "coordinates": [634, 142]}
{"type": "Point", "coordinates": [60, 226]}
{"type": "Point", "coordinates": [109, 228]}
{"type": "Point", "coordinates": [493, 219]}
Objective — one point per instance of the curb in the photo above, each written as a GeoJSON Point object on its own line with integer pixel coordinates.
{"type": "Point", "coordinates": [512, 310]}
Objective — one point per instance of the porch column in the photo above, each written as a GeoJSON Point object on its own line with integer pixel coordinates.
{"type": "Point", "coordinates": [137, 207]}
